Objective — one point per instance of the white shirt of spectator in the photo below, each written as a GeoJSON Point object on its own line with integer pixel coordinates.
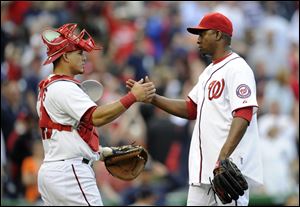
{"type": "Point", "coordinates": [66, 103]}
{"type": "Point", "coordinates": [222, 88]}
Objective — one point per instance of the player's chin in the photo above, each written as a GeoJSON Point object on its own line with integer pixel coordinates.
{"type": "Point", "coordinates": [203, 53]}
{"type": "Point", "coordinates": [81, 69]}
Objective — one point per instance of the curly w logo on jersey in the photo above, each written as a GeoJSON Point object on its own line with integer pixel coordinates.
{"type": "Point", "coordinates": [243, 91]}
{"type": "Point", "coordinates": [215, 89]}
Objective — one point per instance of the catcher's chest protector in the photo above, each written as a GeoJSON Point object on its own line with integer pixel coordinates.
{"type": "Point", "coordinates": [87, 131]}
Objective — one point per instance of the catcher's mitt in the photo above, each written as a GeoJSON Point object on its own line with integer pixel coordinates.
{"type": "Point", "coordinates": [228, 182]}
{"type": "Point", "coordinates": [126, 162]}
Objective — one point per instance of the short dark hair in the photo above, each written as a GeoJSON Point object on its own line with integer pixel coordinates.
{"type": "Point", "coordinates": [227, 38]}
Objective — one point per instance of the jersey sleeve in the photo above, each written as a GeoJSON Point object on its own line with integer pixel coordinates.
{"type": "Point", "coordinates": [71, 99]}
{"type": "Point", "coordinates": [241, 86]}
{"type": "Point", "coordinates": [193, 94]}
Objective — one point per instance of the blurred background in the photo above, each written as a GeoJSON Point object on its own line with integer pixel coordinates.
{"type": "Point", "coordinates": [150, 38]}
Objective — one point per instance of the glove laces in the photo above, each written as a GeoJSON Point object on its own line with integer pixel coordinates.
{"type": "Point", "coordinates": [212, 188]}
{"type": "Point", "coordinates": [214, 192]}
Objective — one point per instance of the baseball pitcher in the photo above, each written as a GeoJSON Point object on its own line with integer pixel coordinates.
{"type": "Point", "coordinates": [224, 156]}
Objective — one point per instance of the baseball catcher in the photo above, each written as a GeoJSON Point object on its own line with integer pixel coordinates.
{"type": "Point", "coordinates": [228, 182]}
{"type": "Point", "coordinates": [124, 162]}
{"type": "Point", "coordinates": [68, 117]}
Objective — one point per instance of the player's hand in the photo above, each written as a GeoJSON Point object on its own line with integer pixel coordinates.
{"type": "Point", "coordinates": [143, 91]}
{"type": "Point", "coordinates": [148, 84]}
{"type": "Point", "coordinates": [105, 152]}
{"type": "Point", "coordinates": [150, 97]}
{"type": "Point", "coordinates": [130, 83]}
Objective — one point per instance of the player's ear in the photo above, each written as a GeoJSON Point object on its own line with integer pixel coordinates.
{"type": "Point", "coordinates": [65, 57]}
{"type": "Point", "coordinates": [218, 35]}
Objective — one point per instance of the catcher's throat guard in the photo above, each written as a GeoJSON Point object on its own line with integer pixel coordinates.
{"type": "Point", "coordinates": [93, 89]}
{"type": "Point", "coordinates": [64, 40]}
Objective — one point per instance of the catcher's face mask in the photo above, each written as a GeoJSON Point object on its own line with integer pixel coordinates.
{"type": "Point", "coordinates": [64, 40]}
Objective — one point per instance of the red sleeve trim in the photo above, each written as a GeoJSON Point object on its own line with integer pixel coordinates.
{"type": "Point", "coordinates": [191, 108]}
{"type": "Point", "coordinates": [87, 116]}
{"type": "Point", "coordinates": [245, 113]}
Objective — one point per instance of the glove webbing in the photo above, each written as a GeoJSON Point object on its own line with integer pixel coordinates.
{"type": "Point", "coordinates": [116, 158]}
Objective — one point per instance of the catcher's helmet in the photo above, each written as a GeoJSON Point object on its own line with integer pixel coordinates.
{"type": "Point", "coordinates": [64, 40]}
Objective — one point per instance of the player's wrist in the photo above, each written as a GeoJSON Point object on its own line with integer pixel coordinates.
{"type": "Point", "coordinates": [128, 100]}
{"type": "Point", "coordinates": [153, 99]}
{"type": "Point", "coordinates": [218, 163]}
{"type": "Point", "coordinates": [224, 154]}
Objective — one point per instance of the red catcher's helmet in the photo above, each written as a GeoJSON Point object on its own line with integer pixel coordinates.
{"type": "Point", "coordinates": [64, 40]}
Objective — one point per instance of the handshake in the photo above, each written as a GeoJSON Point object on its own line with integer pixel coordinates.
{"type": "Point", "coordinates": [143, 90]}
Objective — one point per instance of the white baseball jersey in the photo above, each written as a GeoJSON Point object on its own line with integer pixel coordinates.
{"type": "Point", "coordinates": [66, 103]}
{"type": "Point", "coordinates": [222, 88]}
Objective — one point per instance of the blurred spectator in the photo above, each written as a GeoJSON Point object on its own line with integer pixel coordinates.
{"type": "Point", "coordinates": [20, 8]}
{"type": "Point", "coordinates": [273, 88]}
{"type": "Point", "coordinates": [11, 105]}
{"type": "Point", "coordinates": [292, 200]}
{"type": "Point", "coordinates": [233, 11]}
{"type": "Point", "coordinates": [4, 41]}
{"type": "Point", "coordinates": [253, 12]}
{"type": "Point", "coordinates": [277, 24]}
{"type": "Point", "coordinates": [294, 27]}
{"type": "Point", "coordinates": [30, 167]}
{"type": "Point", "coordinates": [192, 11]}
{"type": "Point", "coordinates": [110, 187]}
{"type": "Point", "coordinates": [140, 59]}
{"type": "Point", "coordinates": [18, 147]}
{"type": "Point", "coordinates": [144, 197]}
{"type": "Point", "coordinates": [122, 32]}
{"type": "Point", "coordinates": [294, 64]}
{"type": "Point", "coordinates": [149, 38]}
{"type": "Point", "coordinates": [161, 136]}
{"type": "Point", "coordinates": [267, 52]}
{"type": "Point", "coordinates": [278, 141]}
{"type": "Point", "coordinates": [12, 62]}
{"type": "Point", "coordinates": [154, 180]}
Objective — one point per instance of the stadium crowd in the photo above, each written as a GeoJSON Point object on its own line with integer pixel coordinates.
{"type": "Point", "coordinates": [150, 38]}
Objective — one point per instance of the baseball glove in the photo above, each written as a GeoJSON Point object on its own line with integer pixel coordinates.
{"type": "Point", "coordinates": [126, 162]}
{"type": "Point", "coordinates": [228, 182]}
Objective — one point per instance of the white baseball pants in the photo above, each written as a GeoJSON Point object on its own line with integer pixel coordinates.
{"type": "Point", "coordinates": [68, 183]}
{"type": "Point", "coordinates": [198, 196]}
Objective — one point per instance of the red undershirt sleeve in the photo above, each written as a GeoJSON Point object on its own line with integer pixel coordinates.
{"type": "Point", "coordinates": [191, 108]}
{"type": "Point", "coordinates": [87, 116]}
{"type": "Point", "coordinates": [245, 113]}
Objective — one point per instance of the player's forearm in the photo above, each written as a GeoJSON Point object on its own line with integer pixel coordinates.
{"type": "Point", "coordinates": [176, 107]}
{"type": "Point", "coordinates": [107, 113]}
{"type": "Point", "coordinates": [236, 133]}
